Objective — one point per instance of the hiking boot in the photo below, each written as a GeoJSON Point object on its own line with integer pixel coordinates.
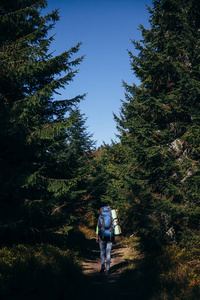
{"type": "Point", "coordinates": [107, 272]}
{"type": "Point", "coordinates": [102, 269]}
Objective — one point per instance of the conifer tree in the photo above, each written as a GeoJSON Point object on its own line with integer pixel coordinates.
{"type": "Point", "coordinates": [159, 124]}
{"type": "Point", "coordinates": [34, 124]}
{"type": "Point", "coordinates": [106, 185]}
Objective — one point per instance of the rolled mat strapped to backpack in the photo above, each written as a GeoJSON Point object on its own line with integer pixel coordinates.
{"type": "Point", "coordinates": [117, 228]}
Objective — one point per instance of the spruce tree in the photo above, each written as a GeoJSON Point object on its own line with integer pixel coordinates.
{"type": "Point", "coordinates": [34, 124]}
{"type": "Point", "coordinates": [159, 124]}
{"type": "Point", "coordinates": [106, 185]}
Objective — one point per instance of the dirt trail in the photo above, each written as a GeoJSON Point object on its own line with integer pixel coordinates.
{"type": "Point", "coordinates": [105, 286]}
{"type": "Point", "coordinates": [132, 274]}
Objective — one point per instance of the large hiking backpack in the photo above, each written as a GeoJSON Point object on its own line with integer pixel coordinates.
{"type": "Point", "coordinates": [105, 223]}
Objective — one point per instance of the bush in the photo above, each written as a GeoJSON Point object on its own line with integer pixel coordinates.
{"type": "Point", "coordinates": [39, 272]}
{"type": "Point", "coordinates": [180, 275]}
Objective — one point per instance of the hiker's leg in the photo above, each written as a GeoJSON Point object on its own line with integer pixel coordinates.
{"type": "Point", "coordinates": [102, 245]}
{"type": "Point", "coordinates": [108, 254]}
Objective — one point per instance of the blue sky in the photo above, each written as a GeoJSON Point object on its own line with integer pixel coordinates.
{"type": "Point", "coordinates": [105, 29]}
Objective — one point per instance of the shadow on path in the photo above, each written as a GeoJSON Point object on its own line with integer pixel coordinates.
{"type": "Point", "coordinates": [124, 283]}
{"type": "Point", "coordinates": [104, 286]}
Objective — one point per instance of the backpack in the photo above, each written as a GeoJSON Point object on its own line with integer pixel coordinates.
{"type": "Point", "coordinates": [105, 223]}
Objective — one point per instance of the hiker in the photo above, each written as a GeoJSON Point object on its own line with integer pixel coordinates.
{"type": "Point", "coordinates": [105, 237]}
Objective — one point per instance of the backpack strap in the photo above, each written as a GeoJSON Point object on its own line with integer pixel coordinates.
{"type": "Point", "coordinates": [101, 225]}
{"type": "Point", "coordinates": [111, 226]}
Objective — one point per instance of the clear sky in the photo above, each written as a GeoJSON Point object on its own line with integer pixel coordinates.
{"type": "Point", "coordinates": [105, 28]}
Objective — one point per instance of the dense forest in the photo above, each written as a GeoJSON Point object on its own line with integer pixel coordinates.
{"type": "Point", "coordinates": [53, 180]}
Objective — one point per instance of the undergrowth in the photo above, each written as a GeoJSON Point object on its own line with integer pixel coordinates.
{"type": "Point", "coordinates": [173, 275]}
{"type": "Point", "coordinates": [39, 272]}
{"type": "Point", "coordinates": [180, 273]}
{"type": "Point", "coordinates": [44, 271]}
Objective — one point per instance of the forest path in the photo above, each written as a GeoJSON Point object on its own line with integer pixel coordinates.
{"type": "Point", "coordinates": [104, 286]}
{"type": "Point", "coordinates": [133, 275]}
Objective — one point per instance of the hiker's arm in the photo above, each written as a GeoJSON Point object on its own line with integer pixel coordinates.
{"type": "Point", "coordinates": [97, 238]}
{"type": "Point", "coordinates": [97, 234]}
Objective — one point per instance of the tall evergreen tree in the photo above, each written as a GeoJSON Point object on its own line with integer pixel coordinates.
{"type": "Point", "coordinates": [160, 126]}
{"type": "Point", "coordinates": [34, 125]}
{"type": "Point", "coordinates": [106, 183]}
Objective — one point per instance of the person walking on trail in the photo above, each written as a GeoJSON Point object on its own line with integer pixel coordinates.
{"type": "Point", "coordinates": [105, 237]}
